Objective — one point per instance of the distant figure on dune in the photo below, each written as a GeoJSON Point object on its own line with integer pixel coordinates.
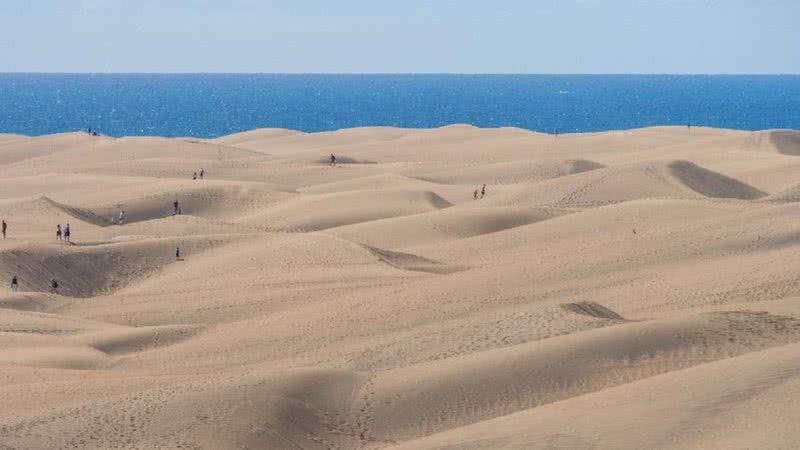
{"type": "Point", "coordinates": [333, 159]}
{"type": "Point", "coordinates": [202, 173]}
{"type": "Point", "coordinates": [58, 232]}
{"type": "Point", "coordinates": [194, 176]}
{"type": "Point", "coordinates": [14, 284]}
{"type": "Point", "coordinates": [66, 233]}
{"type": "Point", "coordinates": [475, 194]}
{"type": "Point", "coordinates": [175, 208]}
{"type": "Point", "coordinates": [178, 253]}
{"type": "Point", "coordinates": [54, 286]}
{"type": "Point", "coordinates": [483, 191]}
{"type": "Point", "coordinates": [634, 231]}
{"type": "Point", "coordinates": [121, 217]}
{"type": "Point", "coordinates": [5, 227]}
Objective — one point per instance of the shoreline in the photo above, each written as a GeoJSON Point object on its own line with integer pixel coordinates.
{"type": "Point", "coordinates": [391, 127]}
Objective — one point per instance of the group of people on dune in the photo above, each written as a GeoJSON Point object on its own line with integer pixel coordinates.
{"type": "Point", "coordinates": [15, 284]}
{"type": "Point", "coordinates": [66, 233]}
{"type": "Point", "coordinates": [482, 191]}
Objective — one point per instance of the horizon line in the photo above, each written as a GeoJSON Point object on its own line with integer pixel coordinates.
{"type": "Point", "coordinates": [732, 74]}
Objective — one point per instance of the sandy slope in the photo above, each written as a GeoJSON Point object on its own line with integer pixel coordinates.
{"type": "Point", "coordinates": [629, 289]}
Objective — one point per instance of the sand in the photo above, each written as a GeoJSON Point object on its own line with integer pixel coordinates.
{"type": "Point", "coordinates": [629, 289]}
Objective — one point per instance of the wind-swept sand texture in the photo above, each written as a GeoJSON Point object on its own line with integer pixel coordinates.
{"type": "Point", "coordinates": [630, 289]}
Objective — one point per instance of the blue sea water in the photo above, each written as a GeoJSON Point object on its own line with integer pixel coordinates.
{"type": "Point", "coordinates": [210, 105]}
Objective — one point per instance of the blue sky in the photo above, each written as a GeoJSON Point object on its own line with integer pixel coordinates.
{"type": "Point", "coordinates": [367, 36]}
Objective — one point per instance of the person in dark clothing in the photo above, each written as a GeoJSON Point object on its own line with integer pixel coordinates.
{"type": "Point", "coordinates": [194, 176]}
{"type": "Point", "coordinates": [483, 191]}
{"type": "Point", "coordinates": [202, 173]}
{"type": "Point", "coordinates": [333, 159]}
{"type": "Point", "coordinates": [175, 207]}
{"type": "Point", "coordinates": [14, 284]}
{"type": "Point", "coordinates": [5, 227]}
{"type": "Point", "coordinates": [177, 253]}
{"type": "Point", "coordinates": [54, 285]}
{"type": "Point", "coordinates": [58, 232]}
{"type": "Point", "coordinates": [66, 233]}
{"type": "Point", "coordinates": [475, 194]}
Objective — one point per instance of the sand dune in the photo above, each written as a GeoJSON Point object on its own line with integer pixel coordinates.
{"type": "Point", "coordinates": [381, 181]}
{"type": "Point", "coordinates": [441, 225]}
{"type": "Point", "coordinates": [789, 195]}
{"type": "Point", "coordinates": [311, 213]}
{"type": "Point", "coordinates": [786, 142]}
{"type": "Point", "coordinates": [419, 400]}
{"type": "Point", "coordinates": [628, 289]}
{"type": "Point", "coordinates": [510, 172]}
{"type": "Point", "coordinates": [658, 412]}
{"type": "Point", "coordinates": [661, 179]}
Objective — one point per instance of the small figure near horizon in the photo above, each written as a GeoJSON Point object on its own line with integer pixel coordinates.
{"type": "Point", "coordinates": [5, 227]}
{"type": "Point", "coordinates": [177, 253]}
{"type": "Point", "coordinates": [194, 176]}
{"type": "Point", "coordinates": [58, 232]}
{"type": "Point", "coordinates": [475, 194]}
{"type": "Point", "coordinates": [14, 284]}
{"type": "Point", "coordinates": [202, 173]}
{"type": "Point", "coordinates": [483, 191]}
{"type": "Point", "coordinates": [54, 286]}
{"type": "Point", "coordinates": [333, 159]}
{"type": "Point", "coordinates": [175, 208]}
{"type": "Point", "coordinates": [556, 132]}
{"type": "Point", "coordinates": [67, 233]}
{"type": "Point", "coordinates": [689, 125]}
{"type": "Point", "coordinates": [634, 231]}
{"type": "Point", "coordinates": [121, 217]}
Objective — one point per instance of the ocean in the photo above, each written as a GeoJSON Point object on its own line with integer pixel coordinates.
{"type": "Point", "coordinates": [210, 105]}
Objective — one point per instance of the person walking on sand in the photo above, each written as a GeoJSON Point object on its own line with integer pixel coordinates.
{"type": "Point", "coordinates": [66, 233]}
{"type": "Point", "coordinates": [202, 173]}
{"type": "Point", "coordinates": [5, 227]}
{"type": "Point", "coordinates": [175, 207]}
{"type": "Point", "coordinates": [14, 284]}
{"type": "Point", "coordinates": [54, 286]}
{"type": "Point", "coordinates": [121, 217]}
{"type": "Point", "coordinates": [177, 253]}
{"type": "Point", "coordinates": [58, 232]}
{"type": "Point", "coordinates": [483, 191]}
{"type": "Point", "coordinates": [475, 194]}
{"type": "Point", "coordinates": [194, 177]}
{"type": "Point", "coordinates": [333, 159]}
